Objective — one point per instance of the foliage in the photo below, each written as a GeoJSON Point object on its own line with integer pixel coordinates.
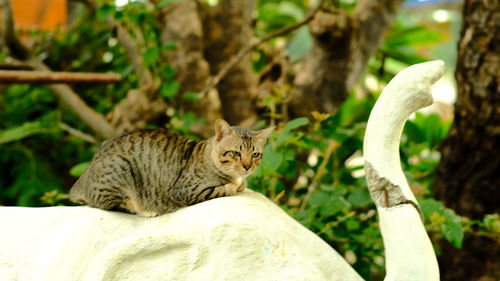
{"type": "Point", "coordinates": [315, 171]}
{"type": "Point", "coordinates": [311, 167]}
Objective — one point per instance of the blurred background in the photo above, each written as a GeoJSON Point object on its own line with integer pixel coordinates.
{"type": "Point", "coordinates": [312, 68]}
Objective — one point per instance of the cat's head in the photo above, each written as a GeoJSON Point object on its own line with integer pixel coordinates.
{"type": "Point", "coordinates": [238, 151]}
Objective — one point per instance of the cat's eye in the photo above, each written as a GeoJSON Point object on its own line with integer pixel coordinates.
{"type": "Point", "coordinates": [255, 155]}
{"type": "Point", "coordinates": [236, 154]}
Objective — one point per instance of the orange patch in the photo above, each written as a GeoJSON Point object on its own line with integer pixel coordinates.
{"type": "Point", "coordinates": [40, 14]}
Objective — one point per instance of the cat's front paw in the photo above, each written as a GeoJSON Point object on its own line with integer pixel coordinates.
{"type": "Point", "coordinates": [242, 186]}
{"type": "Point", "coordinates": [230, 189]}
{"type": "Point", "coordinates": [233, 188]}
{"type": "Point", "coordinates": [148, 214]}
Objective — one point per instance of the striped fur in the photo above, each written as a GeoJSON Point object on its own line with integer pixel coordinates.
{"type": "Point", "coordinates": [153, 172]}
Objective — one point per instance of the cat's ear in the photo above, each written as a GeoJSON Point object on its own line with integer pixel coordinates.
{"type": "Point", "coordinates": [222, 129]}
{"type": "Point", "coordinates": [265, 133]}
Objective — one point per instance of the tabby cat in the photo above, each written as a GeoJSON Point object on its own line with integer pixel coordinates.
{"type": "Point", "coordinates": [153, 172]}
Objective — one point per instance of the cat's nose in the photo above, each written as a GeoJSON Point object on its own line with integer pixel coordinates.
{"type": "Point", "coordinates": [247, 166]}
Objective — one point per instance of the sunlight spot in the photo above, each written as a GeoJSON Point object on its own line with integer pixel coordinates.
{"type": "Point", "coordinates": [441, 15]}
{"type": "Point", "coordinates": [212, 3]}
{"type": "Point", "coordinates": [107, 57]}
{"type": "Point", "coordinates": [112, 42]}
{"type": "Point", "coordinates": [371, 83]}
{"type": "Point", "coordinates": [350, 257]}
{"type": "Point", "coordinates": [312, 160]}
{"type": "Point", "coordinates": [120, 3]}
{"type": "Point", "coordinates": [302, 181]}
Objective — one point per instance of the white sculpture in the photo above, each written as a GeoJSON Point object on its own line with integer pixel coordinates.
{"type": "Point", "coordinates": [245, 237]}
{"type": "Point", "coordinates": [408, 250]}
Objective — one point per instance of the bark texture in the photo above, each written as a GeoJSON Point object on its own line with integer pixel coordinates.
{"type": "Point", "coordinates": [322, 85]}
{"type": "Point", "coordinates": [228, 28]}
{"type": "Point", "coordinates": [188, 58]}
{"type": "Point", "coordinates": [467, 178]}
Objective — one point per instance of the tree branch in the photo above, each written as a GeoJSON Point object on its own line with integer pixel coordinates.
{"type": "Point", "coordinates": [70, 99]}
{"type": "Point", "coordinates": [13, 64]}
{"type": "Point", "coordinates": [77, 133]}
{"type": "Point", "coordinates": [63, 92]}
{"type": "Point", "coordinates": [19, 76]}
{"type": "Point", "coordinates": [133, 53]}
{"type": "Point", "coordinates": [212, 82]}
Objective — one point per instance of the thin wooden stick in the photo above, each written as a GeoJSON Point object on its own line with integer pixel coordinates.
{"type": "Point", "coordinates": [77, 133]}
{"type": "Point", "coordinates": [21, 76]}
{"type": "Point", "coordinates": [14, 65]}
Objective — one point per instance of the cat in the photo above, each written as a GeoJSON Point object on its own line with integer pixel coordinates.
{"type": "Point", "coordinates": [151, 172]}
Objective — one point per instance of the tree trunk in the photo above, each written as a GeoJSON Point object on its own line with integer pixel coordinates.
{"type": "Point", "coordinates": [322, 84]}
{"type": "Point", "coordinates": [343, 43]}
{"type": "Point", "coordinates": [228, 28]}
{"type": "Point", "coordinates": [467, 178]}
{"type": "Point", "coordinates": [188, 57]}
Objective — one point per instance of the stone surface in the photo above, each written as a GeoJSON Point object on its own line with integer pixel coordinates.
{"type": "Point", "coordinates": [245, 237]}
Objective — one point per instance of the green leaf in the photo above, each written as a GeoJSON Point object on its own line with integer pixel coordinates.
{"type": "Point", "coordinates": [47, 124]}
{"type": "Point", "coordinates": [282, 138]}
{"type": "Point", "coordinates": [165, 3]}
{"type": "Point", "coordinates": [426, 128]}
{"type": "Point", "coordinates": [271, 160]}
{"type": "Point", "coordinates": [435, 129]}
{"type": "Point", "coordinates": [359, 197]}
{"type": "Point", "coordinates": [78, 169]}
{"type": "Point", "coordinates": [191, 96]}
{"type": "Point", "coordinates": [404, 56]}
{"type": "Point", "coordinates": [170, 89]}
{"type": "Point", "coordinates": [151, 55]}
{"type": "Point", "coordinates": [169, 46]}
{"type": "Point", "coordinates": [319, 198]}
{"type": "Point", "coordinates": [352, 224]}
{"type": "Point", "coordinates": [119, 15]}
{"type": "Point", "coordinates": [274, 16]}
{"type": "Point", "coordinates": [306, 216]}
{"type": "Point", "coordinates": [413, 132]}
{"type": "Point", "coordinates": [452, 229]}
{"type": "Point", "coordinates": [492, 222]}
{"type": "Point", "coordinates": [430, 206]}
{"type": "Point", "coordinates": [169, 72]}
{"type": "Point", "coordinates": [104, 12]}
{"type": "Point", "coordinates": [291, 9]}
{"type": "Point", "coordinates": [402, 37]}
{"type": "Point", "coordinates": [295, 123]}
{"type": "Point", "coordinates": [453, 232]}
{"type": "Point", "coordinates": [334, 206]}
{"type": "Point", "coordinates": [260, 61]}
{"type": "Point", "coordinates": [300, 44]}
